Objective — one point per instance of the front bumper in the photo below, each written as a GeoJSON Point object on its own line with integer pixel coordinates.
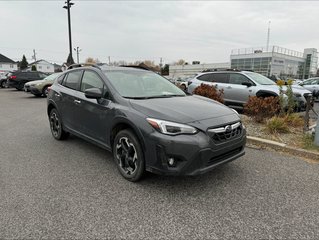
{"type": "Point", "coordinates": [34, 90]}
{"type": "Point", "coordinates": [193, 154]}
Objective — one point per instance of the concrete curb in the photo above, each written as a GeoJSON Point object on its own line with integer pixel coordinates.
{"type": "Point", "coordinates": [283, 147]}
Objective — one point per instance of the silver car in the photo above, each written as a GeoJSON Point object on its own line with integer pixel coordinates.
{"type": "Point", "coordinates": [239, 85]}
{"type": "Point", "coordinates": [312, 84]}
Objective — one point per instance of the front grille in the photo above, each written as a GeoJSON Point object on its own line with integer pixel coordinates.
{"type": "Point", "coordinates": [224, 156]}
{"type": "Point", "coordinates": [225, 133]}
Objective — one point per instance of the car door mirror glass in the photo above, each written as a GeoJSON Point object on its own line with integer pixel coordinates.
{"type": "Point", "coordinates": [93, 93]}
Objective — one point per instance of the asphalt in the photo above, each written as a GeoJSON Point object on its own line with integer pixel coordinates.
{"type": "Point", "coordinates": [71, 190]}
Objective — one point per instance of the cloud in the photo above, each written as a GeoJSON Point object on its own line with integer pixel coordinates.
{"type": "Point", "coordinates": [139, 30]}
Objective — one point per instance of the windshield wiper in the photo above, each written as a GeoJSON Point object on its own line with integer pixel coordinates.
{"type": "Point", "coordinates": [157, 96]}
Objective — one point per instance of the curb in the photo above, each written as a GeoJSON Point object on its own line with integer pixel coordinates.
{"type": "Point", "coordinates": [283, 147]}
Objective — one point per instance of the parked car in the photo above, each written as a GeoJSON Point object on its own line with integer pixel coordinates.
{"type": "Point", "coordinates": [181, 83]}
{"type": "Point", "coordinates": [147, 122]}
{"type": "Point", "coordinates": [239, 85]}
{"type": "Point", "coordinates": [40, 87]}
{"type": "Point", "coordinates": [19, 78]}
{"type": "Point", "coordinates": [312, 84]}
{"type": "Point", "coordinates": [3, 79]}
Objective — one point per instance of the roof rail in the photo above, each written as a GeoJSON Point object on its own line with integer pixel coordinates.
{"type": "Point", "coordinates": [220, 70]}
{"type": "Point", "coordinates": [77, 65]}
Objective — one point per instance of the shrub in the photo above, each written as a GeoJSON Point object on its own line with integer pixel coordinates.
{"type": "Point", "coordinates": [277, 125]}
{"type": "Point", "coordinates": [210, 92]}
{"type": "Point", "coordinates": [294, 120]}
{"type": "Point", "coordinates": [262, 108]}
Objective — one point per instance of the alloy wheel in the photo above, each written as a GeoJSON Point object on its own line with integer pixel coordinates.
{"type": "Point", "coordinates": [55, 124]}
{"type": "Point", "coordinates": [126, 155]}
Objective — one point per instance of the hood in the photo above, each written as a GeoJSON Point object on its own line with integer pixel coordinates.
{"type": "Point", "coordinates": [181, 109]}
{"type": "Point", "coordinates": [34, 82]}
{"type": "Point", "coordinates": [299, 89]}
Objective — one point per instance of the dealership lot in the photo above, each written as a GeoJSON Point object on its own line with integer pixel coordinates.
{"type": "Point", "coordinates": [71, 189]}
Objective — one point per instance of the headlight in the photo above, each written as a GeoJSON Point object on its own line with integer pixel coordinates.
{"type": "Point", "coordinates": [297, 94]}
{"type": "Point", "coordinates": [171, 128]}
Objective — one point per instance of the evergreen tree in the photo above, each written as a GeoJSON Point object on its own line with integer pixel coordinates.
{"type": "Point", "coordinates": [23, 63]}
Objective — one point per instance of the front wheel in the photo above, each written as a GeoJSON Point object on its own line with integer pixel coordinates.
{"type": "Point", "coordinates": [56, 126]}
{"type": "Point", "coordinates": [128, 155]}
{"type": "Point", "coordinates": [3, 84]}
{"type": "Point", "coordinates": [45, 91]}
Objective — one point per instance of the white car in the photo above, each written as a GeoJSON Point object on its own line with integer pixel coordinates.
{"type": "Point", "coordinates": [312, 84]}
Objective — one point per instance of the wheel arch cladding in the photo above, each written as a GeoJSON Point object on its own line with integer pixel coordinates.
{"type": "Point", "coordinates": [263, 93]}
{"type": "Point", "coordinates": [121, 125]}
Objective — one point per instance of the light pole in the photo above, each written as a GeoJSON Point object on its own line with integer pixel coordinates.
{"type": "Point", "coordinates": [68, 6]}
{"type": "Point", "coordinates": [78, 50]}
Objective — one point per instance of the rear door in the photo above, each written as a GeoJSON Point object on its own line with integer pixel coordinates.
{"type": "Point", "coordinates": [68, 99]}
{"type": "Point", "coordinates": [220, 81]}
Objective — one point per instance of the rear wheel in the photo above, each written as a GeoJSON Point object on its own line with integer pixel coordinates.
{"type": "Point", "coordinates": [56, 126]}
{"type": "Point", "coordinates": [3, 84]}
{"type": "Point", "coordinates": [183, 87]}
{"type": "Point", "coordinates": [128, 155]}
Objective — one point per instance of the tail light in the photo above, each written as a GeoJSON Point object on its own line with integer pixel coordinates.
{"type": "Point", "coordinates": [49, 89]}
{"type": "Point", "coordinates": [12, 77]}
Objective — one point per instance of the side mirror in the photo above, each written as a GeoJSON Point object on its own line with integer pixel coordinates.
{"type": "Point", "coordinates": [248, 84]}
{"type": "Point", "coordinates": [94, 93]}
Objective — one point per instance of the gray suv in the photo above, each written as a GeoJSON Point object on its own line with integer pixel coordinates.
{"type": "Point", "coordinates": [147, 122]}
{"type": "Point", "coordinates": [239, 85]}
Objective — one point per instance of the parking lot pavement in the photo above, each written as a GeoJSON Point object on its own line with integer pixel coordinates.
{"type": "Point", "coordinates": [71, 189]}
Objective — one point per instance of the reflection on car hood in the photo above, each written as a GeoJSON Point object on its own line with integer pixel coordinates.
{"type": "Point", "coordinates": [181, 109]}
{"type": "Point", "coordinates": [43, 81]}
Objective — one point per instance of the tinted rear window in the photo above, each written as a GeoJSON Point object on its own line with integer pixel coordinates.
{"type": "Point", "coordinates": [205, 77]}
{"type": "Point", "coordinates": [220, 77]}
{"type": "Point", "coordinates": [72, 80]}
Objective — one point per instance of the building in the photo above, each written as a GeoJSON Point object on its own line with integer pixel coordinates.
{"type": "Point", "coordinates": [42, 66]}
{"type": "Point", "coordinates": [7, 65]}
{"type": "Point", "coordinates": [188, 70]}
{"type": "Point", "coordinates": [278, 61]}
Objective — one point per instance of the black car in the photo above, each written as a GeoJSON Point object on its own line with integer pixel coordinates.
{"type": "Point", "coordinates": [146, 121]}
{"type": "Point", "coordinates": [19, 78]}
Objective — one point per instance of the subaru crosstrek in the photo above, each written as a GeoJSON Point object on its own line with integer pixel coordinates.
{"type": "Point", "coordinates": [147, 122]}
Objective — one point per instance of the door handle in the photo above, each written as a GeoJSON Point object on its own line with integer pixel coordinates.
{"type": "Point", "coordinates": [77, 101]}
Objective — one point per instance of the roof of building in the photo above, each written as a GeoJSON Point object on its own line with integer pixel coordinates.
{"type": "Point", "coordinates": [4, 59]}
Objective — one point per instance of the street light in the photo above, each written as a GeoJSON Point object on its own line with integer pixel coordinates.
{"type": "Point", "coordinates": [68, 6]}
{"type": "Point", "coordinates": [78, 50]}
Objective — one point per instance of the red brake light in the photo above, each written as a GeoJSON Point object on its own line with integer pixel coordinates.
{"type": "Point", "coordinates": [13, 77]}
{"type": "Point", "coordinates": [49, 89]}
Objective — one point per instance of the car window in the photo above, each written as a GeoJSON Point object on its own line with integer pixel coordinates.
{"type": "Point", "coordinates": [220, 77]}
{"type": "Point", "coordinates": [42, 75]}
{"type": "Point", "coordinates": [235, 78]}
{"type": "Point", "coordinates": [205, 77]}
{"type": "Point", "coordinates": [91, 80]}
{"type": "Point", "coordinates": [72, 80]}
{"type": "Point", "coordinates": [60, 79]}
{"type": "Point", "coordinates": [33, 75]}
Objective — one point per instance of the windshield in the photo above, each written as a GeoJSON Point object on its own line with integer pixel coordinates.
{"type": "Point", "coordinates": [142, 84]}
{"type": "Point", "coordinates": [52, 76]}
{"type": "Point", "coordinates": [260, 79]}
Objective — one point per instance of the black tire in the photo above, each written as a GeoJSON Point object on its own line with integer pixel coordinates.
{"type": "Point", "coordinates": [3, 84]}
{"type": "Point", "coordinates": [56, 126]}
{"type": "Point", "coordinates": [20, 87]}
{"type": "Point", "coordinates": [37, 95]}
{"type": "Point", "coordinates": [128, 155]}
{"type": "Point", "coordinates": [45, 91]}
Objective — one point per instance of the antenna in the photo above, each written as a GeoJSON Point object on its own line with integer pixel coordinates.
{"type": "Point", "coordinates": [268, 35]}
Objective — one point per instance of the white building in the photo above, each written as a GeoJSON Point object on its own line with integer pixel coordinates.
{"type": "Point", "coordinates": [274, 60]}
{"type": "Point", "coordinates": [7, 65]}
{"type": "Point", "coordinates": [42, 66]}
{"type": "Point", "coordinates": [176, 71]}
